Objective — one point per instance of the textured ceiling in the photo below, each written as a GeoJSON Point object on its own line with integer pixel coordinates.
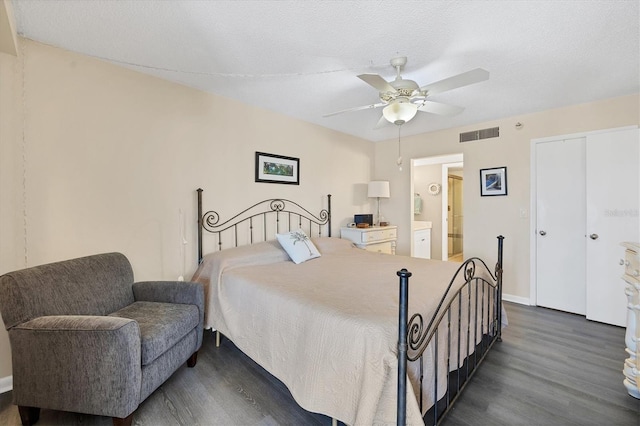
{"type": "Point", "coordinates": [301, 58]}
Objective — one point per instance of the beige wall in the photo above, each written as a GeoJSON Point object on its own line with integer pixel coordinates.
{"type": "Point", "coordinates": [431, 204]}
{"type": "Point", "coordinates": [11, 247]}
{"type": "Point", "coordinates": [487, 217]}
{"type": "Point", "coordinates": [111, 157]}
{"type": "Point", "coordinates": [8, 36]}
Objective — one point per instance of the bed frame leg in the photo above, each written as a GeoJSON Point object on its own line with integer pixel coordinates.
{"type": "Point", "coordinates": [217, 339]}
{"type": "Point", "coordinates": [499, 281]}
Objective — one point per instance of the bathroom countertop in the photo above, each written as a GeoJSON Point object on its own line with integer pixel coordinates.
{"type": "Point", "coordinates": [421, 224]}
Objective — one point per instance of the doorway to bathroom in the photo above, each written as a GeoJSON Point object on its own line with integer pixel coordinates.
{"type": "Point", "coordinates": [437, 200]}
{"type": "Point", "coordinates": [455, 213]}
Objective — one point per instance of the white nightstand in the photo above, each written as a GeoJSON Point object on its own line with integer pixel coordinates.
{"type": "Point", "coordinates": [381, 239]}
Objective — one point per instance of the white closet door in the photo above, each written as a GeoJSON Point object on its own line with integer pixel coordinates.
{"type": "Point", "coordinates": [560, 236]}
{"type": "Point", "coordinates": [612, 217]}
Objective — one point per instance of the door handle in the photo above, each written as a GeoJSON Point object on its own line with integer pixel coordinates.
{"type": "Point", "coordinates": [593, 236]}
{"type": "Point", "coordinates": [543, 233]}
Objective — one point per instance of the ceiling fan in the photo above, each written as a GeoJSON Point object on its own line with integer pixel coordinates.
{"type": "Point", "coordinates": [402, 98]}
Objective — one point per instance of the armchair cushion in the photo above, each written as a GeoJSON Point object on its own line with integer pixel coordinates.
{"type": "Point", "coordinates": [162, 325]}
{"type": "Point", "coordinates": [173, 292]}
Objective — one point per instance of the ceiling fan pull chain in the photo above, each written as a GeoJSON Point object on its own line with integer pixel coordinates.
{"type": "Point", "coordinates": [399, 161]}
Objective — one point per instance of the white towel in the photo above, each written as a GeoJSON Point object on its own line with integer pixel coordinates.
{"type": "Point", "coordinates": [417, 204]}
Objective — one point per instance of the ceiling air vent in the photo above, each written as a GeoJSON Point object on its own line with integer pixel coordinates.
{"type": "Point", "coordinates": [476, 135]}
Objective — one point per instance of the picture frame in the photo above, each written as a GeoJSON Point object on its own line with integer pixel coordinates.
{"type": "Point", "coordinates": [493, 181]}
{"type": "Point", "coordinates": [272, 168]}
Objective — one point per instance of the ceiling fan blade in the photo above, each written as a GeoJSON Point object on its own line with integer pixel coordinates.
{"type": "Point", "coordinates": [440, 109]}
{"type": "Point", "coordinates": [372, 106]}
{"type": "Point", "coordinates": [466, 78]}
{"type": "Point", "coordinates": [377, 82]}
{"type": "Point", "coordinates": [381, 123]}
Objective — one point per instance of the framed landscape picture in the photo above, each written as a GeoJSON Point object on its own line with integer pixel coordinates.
{"type": "Point", "coordinates": [271, 168]}
{"type": "Point", "coordinates": [493, 181]}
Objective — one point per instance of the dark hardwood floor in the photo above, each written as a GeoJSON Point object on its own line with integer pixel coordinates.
{"type": "Point", "coordinates": [552, 368]}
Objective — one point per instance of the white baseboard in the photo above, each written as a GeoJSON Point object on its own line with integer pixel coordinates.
{"type": "Point", "coordinates": [516, 299]}
{"type": "Point", "coordinates": [6, 384]}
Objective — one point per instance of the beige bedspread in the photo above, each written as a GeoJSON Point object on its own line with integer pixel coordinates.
{"type": "Point", "coordinates": [327, 328]}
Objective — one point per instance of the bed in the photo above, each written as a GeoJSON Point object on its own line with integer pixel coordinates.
{"type": "Point", "coordinates": [335, 329]}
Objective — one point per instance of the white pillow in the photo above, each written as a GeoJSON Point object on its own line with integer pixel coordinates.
{"type": "Point", "coordinates": [298, 246]}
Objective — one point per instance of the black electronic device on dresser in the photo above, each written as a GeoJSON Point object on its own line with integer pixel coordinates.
{"type": "Point", "coordinates": [363, 218]}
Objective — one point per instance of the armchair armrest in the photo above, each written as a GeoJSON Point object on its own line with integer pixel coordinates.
{"type": "Point", "coordinates": [190, 293]}
{"type": "Point", "coordinates": [80, 363]}
{"type": "Point", "coordinates": [186, 292]}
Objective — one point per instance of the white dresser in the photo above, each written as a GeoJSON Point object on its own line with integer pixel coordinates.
{"type": "Point", "coordinates": [381, 239]}
{"type": "Point", "coordinates": [631, 276]}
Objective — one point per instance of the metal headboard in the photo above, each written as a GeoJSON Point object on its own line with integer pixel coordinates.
{"type": "Point", "coordinates": [258, 214]}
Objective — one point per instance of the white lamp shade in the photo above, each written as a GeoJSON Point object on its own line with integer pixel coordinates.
{"type": "Point", "coordinates": [378, 189]}
{"type": "Point", "coordinates": [399, 112]}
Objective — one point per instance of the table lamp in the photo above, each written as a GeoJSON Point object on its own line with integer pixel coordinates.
{"type": "Point", "coordinates": [378, 189]}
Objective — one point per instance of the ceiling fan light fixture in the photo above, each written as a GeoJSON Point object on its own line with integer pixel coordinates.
{"type": "Point", "coordinates": [399, 112]}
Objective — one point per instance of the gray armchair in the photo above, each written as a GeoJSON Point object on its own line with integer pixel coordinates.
{"type": "Point", "coordinates": [85, 338]}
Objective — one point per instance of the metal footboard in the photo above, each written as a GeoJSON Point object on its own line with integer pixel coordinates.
{"type": "Point", "coordinates": [468, 321]}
